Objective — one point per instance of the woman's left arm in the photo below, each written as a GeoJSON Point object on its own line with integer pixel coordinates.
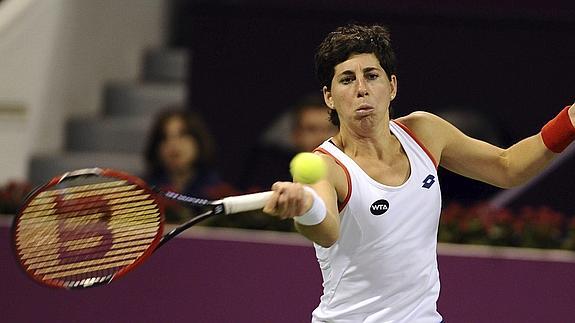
{"type": "Point", "coordinates": [488, 163]}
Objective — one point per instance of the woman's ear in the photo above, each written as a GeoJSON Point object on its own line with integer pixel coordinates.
{"type": "Point", "coordinates": [393, 87]}
{"type": "Point", "coordinates": [328, 98]}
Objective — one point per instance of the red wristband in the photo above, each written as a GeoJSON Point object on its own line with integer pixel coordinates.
{"type": "Point", "coordinates": [558, 133]}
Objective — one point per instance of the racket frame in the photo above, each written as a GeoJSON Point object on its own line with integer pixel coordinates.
{"type": "Point", "coordinates": [90, 172]}
{"type": "Point", "coordinates": [228, 205]}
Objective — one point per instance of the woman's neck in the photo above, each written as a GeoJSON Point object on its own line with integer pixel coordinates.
{"type": "Point", "coordinates": [377, 142]}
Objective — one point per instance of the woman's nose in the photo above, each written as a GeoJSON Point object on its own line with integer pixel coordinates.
{"type": "Point", "coordinates": [361, 87]}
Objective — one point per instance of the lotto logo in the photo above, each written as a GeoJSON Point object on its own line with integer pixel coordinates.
{"type": "Point", "coordinates": [428, 181]}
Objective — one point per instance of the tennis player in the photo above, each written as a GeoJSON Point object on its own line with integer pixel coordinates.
{"type": "Point", "coordinates": [374, 218]}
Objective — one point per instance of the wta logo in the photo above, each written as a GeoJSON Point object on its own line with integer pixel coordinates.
{"type": "Point", "coordinates": [379, 207]}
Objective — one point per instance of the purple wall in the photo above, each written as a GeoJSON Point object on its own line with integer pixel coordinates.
{"type": "Point", "coordinates": [504, 290]}
{"type": "Point", "coordinates": [218, 276]}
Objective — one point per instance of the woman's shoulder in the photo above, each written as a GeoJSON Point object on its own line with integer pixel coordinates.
{"type": "Point", "coordinates": [418, 120]}
{"type": "Point", "coordinates": [423, 124]}
{"type": "Point", "coordinates": [429, 129]}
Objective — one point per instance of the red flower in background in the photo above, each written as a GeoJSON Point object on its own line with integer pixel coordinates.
{"type": "Point", "coordinates": [539, 227]}
{"type": "Point", "coordinates": [12, 195]}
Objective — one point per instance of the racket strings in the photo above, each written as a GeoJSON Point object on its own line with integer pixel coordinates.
{"type": "Point", "coordinates": [84, 234]}
{"type": "Point", "coordinates": [48, 216]}
{"type": "Point", "coordinates": [44, 259]}
{"type": "Point", "coordinates": [114, 202]}
{"type": "Point", "coordinates": [86, 244]}
{"type": "Point", "coordinates": [125, 221]}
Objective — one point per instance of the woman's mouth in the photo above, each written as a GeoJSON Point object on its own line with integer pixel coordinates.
{"type": "Point", "coordinates": [364, 110]}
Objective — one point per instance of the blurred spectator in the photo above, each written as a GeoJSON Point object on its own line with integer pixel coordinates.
{"type": "Point", "coordinates": [302, 128]}
{"type": "Point", "coordinates": [311, 124]}
{"type": "Point", "coordinates": [179, 157]}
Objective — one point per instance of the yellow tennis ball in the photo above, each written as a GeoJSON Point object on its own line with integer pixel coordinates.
{"type": "Point", "coordinates": [307, 168]}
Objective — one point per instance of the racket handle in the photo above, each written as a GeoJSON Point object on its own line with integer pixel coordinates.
{"type": "Point", "coordinates": [248, 202]}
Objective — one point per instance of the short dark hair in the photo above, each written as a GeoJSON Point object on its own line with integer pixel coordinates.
{"type": "Point", "coordinates": [194, 126]}
{"type": "Point", "coordinates": [351, 39]}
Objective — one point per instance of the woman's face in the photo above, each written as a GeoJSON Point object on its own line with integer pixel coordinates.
{"type": "Point", "coordinates": [360, 91]}
{"type": "Point", "coordinates": [179, 149]}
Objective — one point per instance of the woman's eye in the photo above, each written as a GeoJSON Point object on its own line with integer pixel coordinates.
{"type": "Point", "coordinates": [346, 80]}
{"type": "Point", "coordinates": [372, 76]}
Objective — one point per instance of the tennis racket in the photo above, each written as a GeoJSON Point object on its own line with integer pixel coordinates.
{"type": "Point", "coordinates": [91, 226]}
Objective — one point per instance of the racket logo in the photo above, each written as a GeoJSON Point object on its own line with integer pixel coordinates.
{"type": "Point", "coordinates": [83, 241]}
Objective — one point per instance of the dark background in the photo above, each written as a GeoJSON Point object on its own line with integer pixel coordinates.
{"type": "Point", "coordinates": [511, 62]}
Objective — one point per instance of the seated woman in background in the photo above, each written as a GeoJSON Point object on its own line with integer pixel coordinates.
{"type": "Point", "coordinates": [179, 157]}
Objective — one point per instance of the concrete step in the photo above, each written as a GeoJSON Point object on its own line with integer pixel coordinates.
{"type": "Point", "coordinates": [166, 65]}
{"type": "Point", "coordinates": [123, 134]}
{"type": "Point", "coordinates": [141, 99]}
{"type": "Point", "coordinates": [44, 167]}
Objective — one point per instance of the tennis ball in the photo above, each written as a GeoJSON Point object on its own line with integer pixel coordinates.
{"type": "Point", "coordinates": [307, 168]}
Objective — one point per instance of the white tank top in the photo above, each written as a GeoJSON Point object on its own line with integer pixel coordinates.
{"type": "Point", "coordinates": [383, 268]}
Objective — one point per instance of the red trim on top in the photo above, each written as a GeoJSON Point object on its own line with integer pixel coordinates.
{"type": "Point", "coordinates": [340, 206]}
{"type": "Point", "coordinates": [412, 135]}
